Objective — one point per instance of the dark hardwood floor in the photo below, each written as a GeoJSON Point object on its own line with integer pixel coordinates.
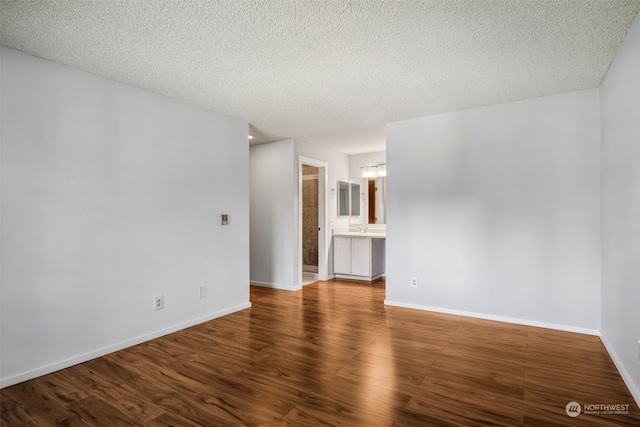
{"type": "Point", "coordinates": [333, 354]}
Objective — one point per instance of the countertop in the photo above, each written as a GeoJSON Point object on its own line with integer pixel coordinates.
{"type": "Point", "coordinates": [375, 234]}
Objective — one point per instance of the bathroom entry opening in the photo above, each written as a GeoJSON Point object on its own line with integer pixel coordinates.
{"type": "Point", "coordinates": [312, 230]}
{"type": "Point", "coordinates": [310, 221]}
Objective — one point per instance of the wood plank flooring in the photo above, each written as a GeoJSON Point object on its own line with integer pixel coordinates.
{"type": "Point", "coordinates": [333, 354]}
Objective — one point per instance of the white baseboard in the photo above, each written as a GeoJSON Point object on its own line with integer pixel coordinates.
{"type": "Point", "coordinates": [633, 389]}
{"type": "Point", "coordinates": [25, 376]}
{"type": "Point", "coordinates": [505, 319]}
{"type": "Point", "coordinates": [276, 286]}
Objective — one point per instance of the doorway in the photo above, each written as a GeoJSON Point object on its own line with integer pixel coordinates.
{"type": "Point", "coordinates": [312, 228]}
{"type": "Point", "coordinates": [310, 225]}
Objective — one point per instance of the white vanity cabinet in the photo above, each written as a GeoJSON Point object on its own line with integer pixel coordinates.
{"type": "Point", "coordinates": [358, 256]}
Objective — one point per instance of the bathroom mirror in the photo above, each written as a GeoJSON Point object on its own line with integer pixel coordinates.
{"type": "Point", "coordinates": [371, 201]}
{"type": "Point", "coordinates": [343, 198]}
{"type": "Point", "coordinates": [355, 199]}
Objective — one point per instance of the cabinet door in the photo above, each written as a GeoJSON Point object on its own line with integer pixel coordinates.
{"type": "Point", "coordinates": [360, 257]}
{"type": "Point", "coordinates": [377, 256]}
{"type": "Point", "coordinates": [341, 255]}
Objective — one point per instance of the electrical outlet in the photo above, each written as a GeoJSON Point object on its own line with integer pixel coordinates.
{"type": "Point", "coordinates": [202, 291]}
{"type": "Point", "coordinates": [158, 302]}
{"type": "Point", "coordinates": [414, 282]}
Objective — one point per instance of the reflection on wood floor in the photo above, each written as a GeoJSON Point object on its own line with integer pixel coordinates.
{"type": "Point", "coordinates": [333, 354]}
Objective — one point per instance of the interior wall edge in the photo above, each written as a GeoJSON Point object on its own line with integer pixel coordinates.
{"type": "Point", "coordinates": [626, 377]}
{"type": "Point", "coordinates": [497, 318]}
{"type": "Point", "coordinates": [76, 360]}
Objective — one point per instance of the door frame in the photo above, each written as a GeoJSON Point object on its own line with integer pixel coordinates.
{"type": "Point", "coordinates": [323, 176]}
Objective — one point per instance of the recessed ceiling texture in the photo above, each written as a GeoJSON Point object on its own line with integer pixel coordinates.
{"type": "Point", "coordinates": [331, 73]}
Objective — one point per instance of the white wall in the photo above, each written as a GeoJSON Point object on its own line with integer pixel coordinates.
{"type": "Point", "coordinates": [496, 211]}
{"type": "Point", "coordinates": [273, 249]}
{"type": "Point", "coordinates": [112, 195]}
{"type": "Point", "coordinates": [620, 115]}
{"type": "Point", "coordinates": [275, 222]}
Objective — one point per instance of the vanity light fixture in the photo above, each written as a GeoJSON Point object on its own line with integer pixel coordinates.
{"type": "Point", "coordinates": [374, 171]}
{"type": "Point", "coordinates": [369, 171]}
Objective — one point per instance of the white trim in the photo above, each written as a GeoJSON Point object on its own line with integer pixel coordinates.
{"type": "Point", "coordinates": [276, 286]}
{"type": "Point", "coordinates": [25, 376]}
{"type": "Point", "coordinates": [559, 327]}
{"type": "Point", "coordinates": [623, 372]}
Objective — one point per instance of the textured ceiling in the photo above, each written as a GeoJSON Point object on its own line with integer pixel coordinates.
{"type": "Point", "coordinates": [329, 72]}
